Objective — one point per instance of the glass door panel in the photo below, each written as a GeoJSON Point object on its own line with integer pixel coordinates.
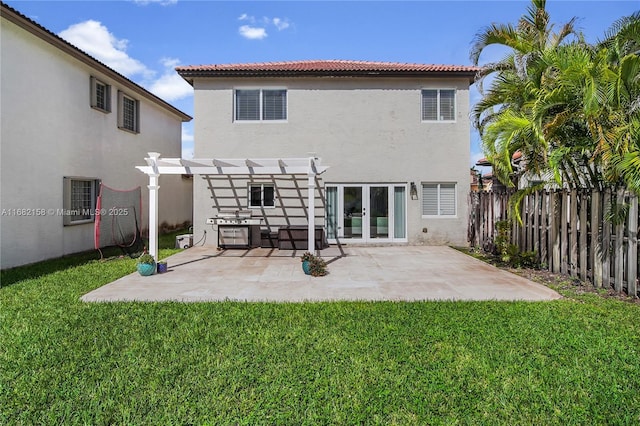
{"type": "Point", "coordinates": [332, 212]}
{"type": "Point", "coordinates": [362, 213]}
{"type": "Point", "coordinates": [378, 212]}
{"type": "Point", "coordinates": [399, 212]}
{"type": "Point", "coordinates": [352, 216]}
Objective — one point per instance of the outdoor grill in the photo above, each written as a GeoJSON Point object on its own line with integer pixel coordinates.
{"type": "Point", "coordinates": [235, 217]}
{"type": "Point", "coordinates": [237, 229]}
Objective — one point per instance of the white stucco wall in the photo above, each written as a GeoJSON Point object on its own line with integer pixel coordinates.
{"type": "Point", "coordinates": [49, 131]}
{"type": "Point", "coordinates": [365, 129]}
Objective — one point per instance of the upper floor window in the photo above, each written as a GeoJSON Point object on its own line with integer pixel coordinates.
{"type": "Point", "coordinates": [261, 195]}
{"type": "Point", "coordinates": [100, 95]}
{"type": "Point", "coordinates": [260, 104]}
{"type": "Point", "coordinates": [438, 105]}
{"type": "Point", "coordinates": [128, 113]}
{"type": "Point", "coordinates": [438, 199]}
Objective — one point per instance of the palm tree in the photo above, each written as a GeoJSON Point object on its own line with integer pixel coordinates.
{"type": "Point", "coordinates": [508, 116]}
{"type": "Point", "coordinates": [572, 109]}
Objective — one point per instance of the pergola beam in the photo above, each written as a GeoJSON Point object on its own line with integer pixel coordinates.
{"type": "Point", "coordinates": [157, 166]}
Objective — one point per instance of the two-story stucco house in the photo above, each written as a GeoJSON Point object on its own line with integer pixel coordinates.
{"type": "Point", "coordinates": [394, 136]}
{"type": "Point", "coordinates": [68, 123]}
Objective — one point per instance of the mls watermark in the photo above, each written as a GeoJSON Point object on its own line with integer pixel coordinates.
{"type": "Point", "coordinates": [31, 212]}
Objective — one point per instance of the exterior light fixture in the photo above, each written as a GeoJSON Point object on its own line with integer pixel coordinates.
{"type": "Point", "coordinates": [413, 191]}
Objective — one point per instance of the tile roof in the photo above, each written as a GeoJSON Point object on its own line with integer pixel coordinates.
{"type": "Point", "coordinates": [324, 68]}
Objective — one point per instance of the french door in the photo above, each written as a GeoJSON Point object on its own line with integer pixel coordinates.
{"type": "Point", "coordinates": [366, 213]}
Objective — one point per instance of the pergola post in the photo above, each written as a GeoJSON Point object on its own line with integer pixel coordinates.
{"type": "Point", "coordinates": [153, 204]}
{"type": "Point", "coordinates": [312, 208]}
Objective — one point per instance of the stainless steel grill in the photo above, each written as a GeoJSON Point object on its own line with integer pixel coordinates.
{"type": "Point", "coordinates": [234, 217]}
{"type": "Point", "coordinates": [236, 228]}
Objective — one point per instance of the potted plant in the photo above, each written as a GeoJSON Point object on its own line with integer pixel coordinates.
{"type": "Point", "coordinates": [162, 266]}
{"type": "Point", "coordinates": [313, 265]}
{"type": "Point", "coordinates": [146, 264]}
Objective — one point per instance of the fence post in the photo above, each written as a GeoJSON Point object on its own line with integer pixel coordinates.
{"type": "Point", "coordinates": [619, 248]}
{"type": "Point", "coordinates": [596, 245]}
{"type": "Point", "coordinates": [564, 252]}
{"type": "Point", "coordinates": [544, 231]}
{"type": "Point", "coordinates": [632, 247]}
{"type": "Point", "coordinates": [554, 224]}
{"type": "Point", "coordinates": [573, 233]}
{"type": "Point", "coordinates": [606, 244]}
{"type": "Point", "coordinates": [582, 235]}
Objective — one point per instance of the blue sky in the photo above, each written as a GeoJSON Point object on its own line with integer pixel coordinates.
{"type": "Point", "coordinates": [146, 39]}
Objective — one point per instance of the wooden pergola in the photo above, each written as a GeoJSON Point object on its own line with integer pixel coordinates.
{"type": "Point", "coordinates": [157, 166]}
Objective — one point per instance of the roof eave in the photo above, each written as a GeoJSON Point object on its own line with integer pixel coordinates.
{"type": "Point", "coordinates": [190, 74]}
{"type": "Point", "coordinates": [36, 29]}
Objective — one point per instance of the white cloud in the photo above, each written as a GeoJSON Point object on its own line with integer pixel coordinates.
{"type": "Point", "coordinates": [280, 24]}
{"type": "Point", "coordinates": [258, 28]}
{"type": "Point", "coordinates": [95, 39]}
{"type": "Point", "coordinates": [252, 33]}
{"type": "Point", "coordinates": [170, 86]}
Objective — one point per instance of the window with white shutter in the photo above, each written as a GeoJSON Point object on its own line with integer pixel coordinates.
{"type": "Point", "coordinates": [260, 105]}
{"type": "Point", "coordinates": [438, 199]}
{"type": "Point", "coordinates": [438, 105]}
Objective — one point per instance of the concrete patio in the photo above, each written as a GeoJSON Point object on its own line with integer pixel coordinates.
{"type": "Point", "coordinates": [396, 273]}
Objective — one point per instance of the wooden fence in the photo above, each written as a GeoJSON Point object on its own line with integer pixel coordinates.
{"type": "Point", "coordinates": [571, 232]}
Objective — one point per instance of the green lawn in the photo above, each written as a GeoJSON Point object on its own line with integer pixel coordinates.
{"type": "Point", "coordinates": [572, 361]}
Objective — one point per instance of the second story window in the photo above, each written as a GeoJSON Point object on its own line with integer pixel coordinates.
{"type": "Point", "coordinates": [438, 105]}
{"type": "Point", "coordinates": [260, 105]}
{"type": "Point", "coordinates": [128, 113]}
{"type": "Point", "coordinates": [100, 95]}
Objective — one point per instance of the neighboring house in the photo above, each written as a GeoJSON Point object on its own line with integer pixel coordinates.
{"type": "Point", "coordinates": [479, 181]}
{"type": "Point", "coordinates": [520, 179]}
{"type": "Point", "coordinates": [68, 123]}
{"type": "Point", "coordinates": [395, 136]}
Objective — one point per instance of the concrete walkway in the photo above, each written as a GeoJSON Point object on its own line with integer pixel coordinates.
{"type": "Point", "coordinates": [395, 273]}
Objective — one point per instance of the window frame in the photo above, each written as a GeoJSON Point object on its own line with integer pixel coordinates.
{"type": "Point", "coordinates": [95, 82]}
{"type": "Point", "coordinates": [439, 200]}
{"type": "Point", "coordinates": [69, 206]}
{"type": "Point", "coordinates": [122, 124]}
{"type": "Point", "coordinates": [438, 91]}
{"type": "Point", "coordinates": [262, 186]}
{"type": "Point", "coordinates": [261, 100]}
